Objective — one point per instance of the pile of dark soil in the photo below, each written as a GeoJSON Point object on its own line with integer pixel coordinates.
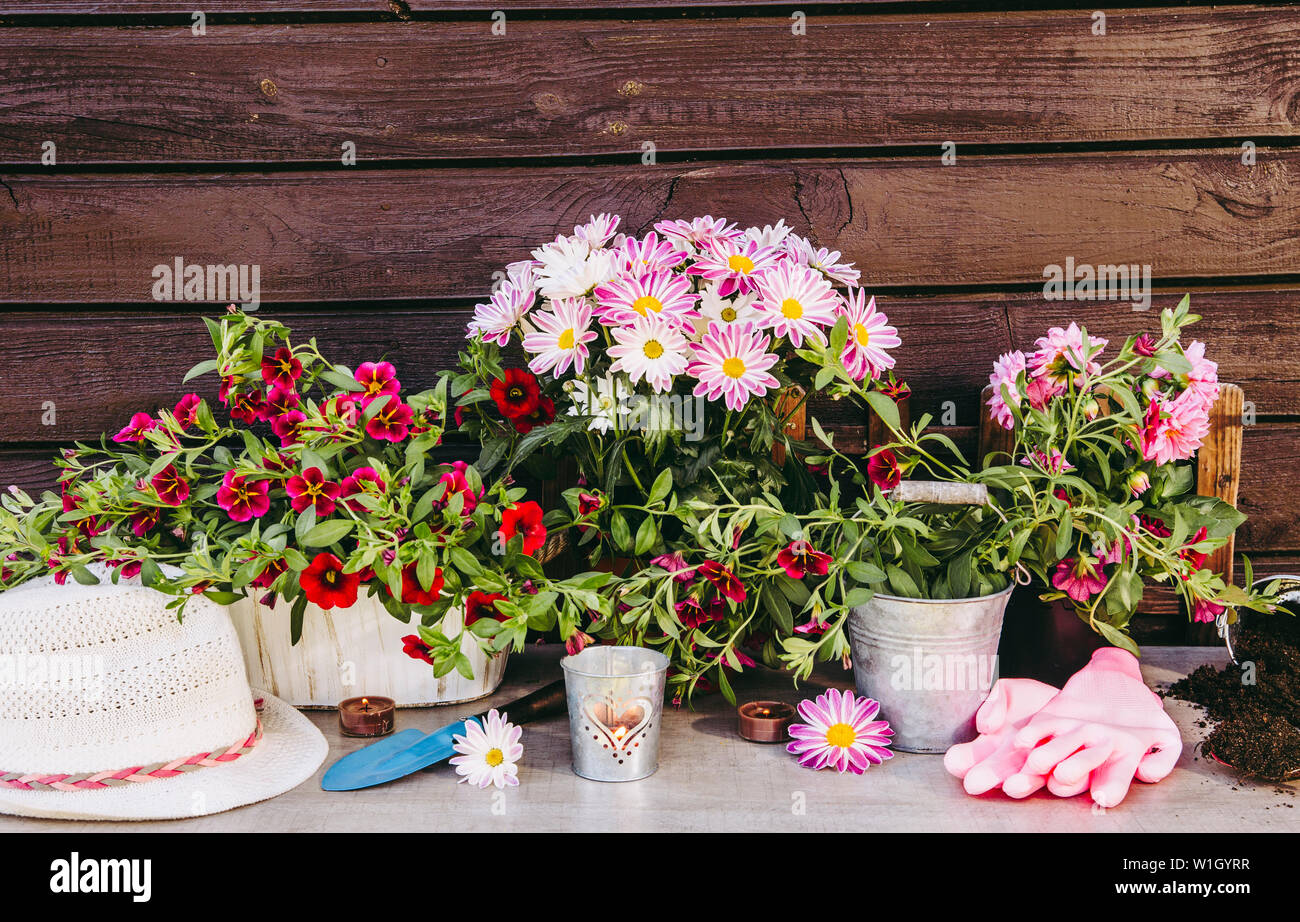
{"type": "Point", "coordinates": [1255, 705]}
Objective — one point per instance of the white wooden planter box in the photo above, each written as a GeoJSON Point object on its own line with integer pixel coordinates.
{"type": "Point", "coordinates": [361, 645]}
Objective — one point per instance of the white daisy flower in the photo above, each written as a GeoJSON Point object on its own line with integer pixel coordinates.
{"type": "Point", "coordinates": [489, 751]}
{"type": "Point", "coordinates": [560, 337]}
{"type": "Point", "coordinates": [771, 235]}
{"type": "Point", "coordinates": [602, 404]}
{"type": "Point", "coordinates": [828, 262]}
{"type": "Point", "coordinates": [649, 347]}
{"type": "Point", "coordinates": [725, 310]}
{"type": "Point", "coordinates": [569, 267]}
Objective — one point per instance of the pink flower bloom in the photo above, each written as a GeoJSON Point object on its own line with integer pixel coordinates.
{"type": "Point", "coordinates": [675, 563]}
{"type": "Point", "coordinates": [1145, 345]}
{"type": "Point", "coordinates": [561, 337]}
{"type": "Point", "coordinates": [699, 232]}
{"type": "Point", "coordinates": [883, 469]}
{"type": "Point", "coordinates": [869, 336]}
{"type": "Point", "coordinates": [144, 521]}
{"type": "Point", "coordinates": [1172, 431]}
{"type": "Point", "coordinates": [282, 370]}
{"type": "Point", "coordinates": [135, 430]}
{"type": "Point", "coordinates": [598, 230]}
{"type": "Point", "coordinates": [280, 401]}
{"type": "Point", "coordinates": [1138, 483]}
{"type": "Point", "coordinates": [693, 613]}
{"type": "Point", "coordinates": [312, 489]}
{"type": "Point", "coordinates": [1054, 463]}
{"type": "Point", "coordinates": [186, 411]}
{"type": "Point", "coordinates": [1207, 611]}
{"type": "Point", "coordinates": [828, 262]}
{"type": "Point", "coordinates": [641, 257]}
{"type": "Point", "coordinates": [577, 642]}
{"type": "Point", "coordinates": [732, 363]}
{"type": "Point", "coordinates": [172, 488]}
{"type": "Point", "coordinates": [392, 423]}
{"type": "Point", "coordinates": [495, 320]}
{"type": "Point", "coordinates": [248, 407]}
{"type": "Point", "coordinates": [799, 558]}
{"type": "Point", "coordinates": [796, 302]}
{"type": "Point", "coordinates": [362, 480]}
{"type": "Point", "coordinates": [1203, 379]}
{"type": "Point", "coordinates": [723, 580]}
{"type": "Point", "coordinates": [1063, 356]}
{"type": "Point", "coordinates": [1006, 374]}
{"type": "Point", "coordinates": [243, 499]}
{"type": "Point", "coordinates": [1078, 580]}
{"type": "Point", "coordinates": [377, 378]}
{"type": "Point", "coordinates": [734, 263]}
{"type": "Point", "coordinates": [457, 483]}
{"type": "Point", "coordinates": [840, 733]}
{"type": "Point", "coordinates": [286, 427]}
{"type": "Point", "coordinates": [627, 298]}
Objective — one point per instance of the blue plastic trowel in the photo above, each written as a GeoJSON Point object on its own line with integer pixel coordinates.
{"type": "Point", "coordinates": [410, 751]}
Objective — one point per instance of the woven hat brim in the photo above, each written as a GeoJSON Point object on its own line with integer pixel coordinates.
{"type": "Point", "coordinates": [290, 752]}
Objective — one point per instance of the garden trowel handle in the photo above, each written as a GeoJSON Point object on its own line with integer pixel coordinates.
{"type": "Point", "coordinates": [941, 492]}
{"type": "Point", "coordinates": [547, 701]}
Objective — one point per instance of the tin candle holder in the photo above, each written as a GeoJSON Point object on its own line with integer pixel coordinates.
{"type": "Point", "coordinates": [616, 703]}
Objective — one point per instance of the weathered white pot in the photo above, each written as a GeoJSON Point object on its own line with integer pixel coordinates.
{"type": "Point", "coordinates": [929, 662]}
{"type": "Point", "coordinates": [360, 646]}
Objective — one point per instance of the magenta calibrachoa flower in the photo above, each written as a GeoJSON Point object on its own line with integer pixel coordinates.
{"type": "Point", "coordinates": [377, 378]}
{"type": "Point", "coordinates": [310, 488]}
{"type": "Point", "coordinates": [135, 431]}
{"type": "Point", "coordinates": [840, 733]}
{"type": "Point", "coordinates": [243, 499]}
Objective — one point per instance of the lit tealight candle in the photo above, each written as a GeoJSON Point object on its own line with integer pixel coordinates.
{"type": "Point", "coordinates": [765, 721]}
{"type": "Point", "coordinates": [371, 716]}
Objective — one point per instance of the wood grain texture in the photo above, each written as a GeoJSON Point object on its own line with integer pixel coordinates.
{"type": "Point", "coordinates": [76, 357]}
{"type": "Point", "coordinates": [256, 94]}
{"type": "Point", "coordinates": [1218, 465]}
{"type": "Point", "coordinates": [440, 233]}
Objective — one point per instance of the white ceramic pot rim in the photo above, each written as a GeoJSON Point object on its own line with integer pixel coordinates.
{"type": "Point", "coordinates": [973, 598]}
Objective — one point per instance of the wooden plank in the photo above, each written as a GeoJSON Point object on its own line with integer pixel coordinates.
{"type": "Point", "coordinates": [1218, 464]}
{"type": "Point", "coordinates": [256, 94]}
{"type": "Point", "coordinates": [74, 357]}
{"type": "Point", "coordinates": [399, 9]}
{"type": "Point", "coordinates": [440, 233]}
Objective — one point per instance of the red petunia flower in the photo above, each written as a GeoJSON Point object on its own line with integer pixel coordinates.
{"type": "Point", "coordinates": [1155, 526]}
{"type": "Point", "coordinates": [457, 483]}
{"type": "Point", "coordinates": [326, 585]}
{"type": "Point", "coordinates": [883, 471]}
{"type": "Point", "coordinates": [799, 558]}
{"type": "Point", "coordinates": [243, 499]}
{"type": "Point", "coordinates": [894, 390]}
{"type": "Point", "coordinates": [378, 378]}
{"type": "Point", "coordinates": [392, 423]}
{"type": "Point", "coordinates": [172, 488]}
{"type": "Point", "coordinates": [135, 430]}
{"type": "Point", "coordinates": [312, 489]}
{"type": "Point", "coordinates": [577, 642]}
{"type": "Point", "coordinates": [1195, 558]}
{"type": "Point", "coordinates": [544, 415]}
{"type": "Point", "coordinates": [248, 407]}
{"type": "Point", "coordinates": [415, 594]}
{"type": "Point", "coordinates": [416, 648]}
{"type": "Point", "coordinates": [524, 519]}
{"type": "Point", "coordinates": [722, 579]}
{"type": "Point", "coordinates": [517, 394]}
{"type": "Point", "coordinates": [589, 503]}
{"type": "Point", "coordinates": [692, 613]}
{"type": "Point", "coordinates": [282, 370]}
{"type": "Point", "coordinates": [483, 605]}
{"type": "Point", "coordinates": [280, 401]}
{"type": "Point", "coordinates": [187, 410]}
{"type": "Point", "coordinates": [362, 480]}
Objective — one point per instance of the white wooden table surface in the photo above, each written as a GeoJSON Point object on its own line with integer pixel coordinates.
{"type": "Point", "coordinates": [711, 780]}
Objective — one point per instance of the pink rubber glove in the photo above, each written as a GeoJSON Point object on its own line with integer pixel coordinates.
{"type": "Point", "coordinates": [1104, 728]}
{"type": "Point", "coordinates": [993, 756]}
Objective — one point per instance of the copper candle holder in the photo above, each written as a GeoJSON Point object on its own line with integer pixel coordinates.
{"type": "Point", "coordinates": [765, 721]}
{"type": "Point", "coordinates": [367, 716]}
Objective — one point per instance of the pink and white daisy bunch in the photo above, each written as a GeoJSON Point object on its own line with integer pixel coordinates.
{"type": "Point", "coordinates": [869, 336]}
{"type": "Point", "coordinates": [732, 362]}
{"type": "Point", "coordinates": [561, 337]}
{"type": "Point", "coordinates": [840, 732]}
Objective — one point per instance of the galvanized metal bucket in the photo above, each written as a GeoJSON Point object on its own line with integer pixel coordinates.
{"type": "Point", "coordinates": [929, 662]}
{"type": "Point", "coordinates": [616, 703]}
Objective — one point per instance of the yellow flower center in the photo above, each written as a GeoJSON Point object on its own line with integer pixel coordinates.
{"type": "Point", "coordinates": [861, 334]}
{"type": "Point", "coordinates": [495, 757]}
{"type": "Point", "coordinates": [740, 263]}
{"type": "Point", "coordinates": [647, 304]}
{"type": "Point", "coordinates": [653, 349]}
{"type": "Point", "coordinates": [791, 309]}
{"type": "Point", "coordinates": [733, 368]}
{"type": "Point", "coordinates": [840, 735]}
{"type": "Point", "coordinates": [566, 339]}
{"type": "Point", "coordinates": [729, 314]}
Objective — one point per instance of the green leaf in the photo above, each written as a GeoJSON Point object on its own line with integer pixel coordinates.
{"type": "Point", "coordinates": [619, 531]}
{"type": "Point", "coordinates": [661, 487]}
{"type": "Point", "coordinates": [306, 522]}
{"type": "Point", "coordinates": [959, 574]}
{"type": "Point", "coordinates": [202, 368]}
{"type": "Point", "coordinates": [865, 572]}
{"type": "Point", "coordinates": [885, 408]}
{"type": "Point", "coordinates": [1117, 637]}
{"type": "Point", "coordinates": [295, 619]}
{"type": "Point", "coordinates": [902, 584]}
{"type": "Point", "coordinates": [327, 533]}
{"type": "Point", "coordinates": [647, 535]}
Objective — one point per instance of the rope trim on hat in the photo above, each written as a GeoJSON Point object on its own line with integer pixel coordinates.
{"type": "Point", "coordinates": [99, 780]}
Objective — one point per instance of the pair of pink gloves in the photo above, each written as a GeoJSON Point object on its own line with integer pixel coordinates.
{"type": "Point", "coordinates": [1096, 734]}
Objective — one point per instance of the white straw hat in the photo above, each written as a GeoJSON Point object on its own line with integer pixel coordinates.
{"type": "Point", "coordinates": [112, 709]}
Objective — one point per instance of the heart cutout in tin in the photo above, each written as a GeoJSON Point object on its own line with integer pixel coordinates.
{"type": "Point", "coordinates": [620, 723]}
